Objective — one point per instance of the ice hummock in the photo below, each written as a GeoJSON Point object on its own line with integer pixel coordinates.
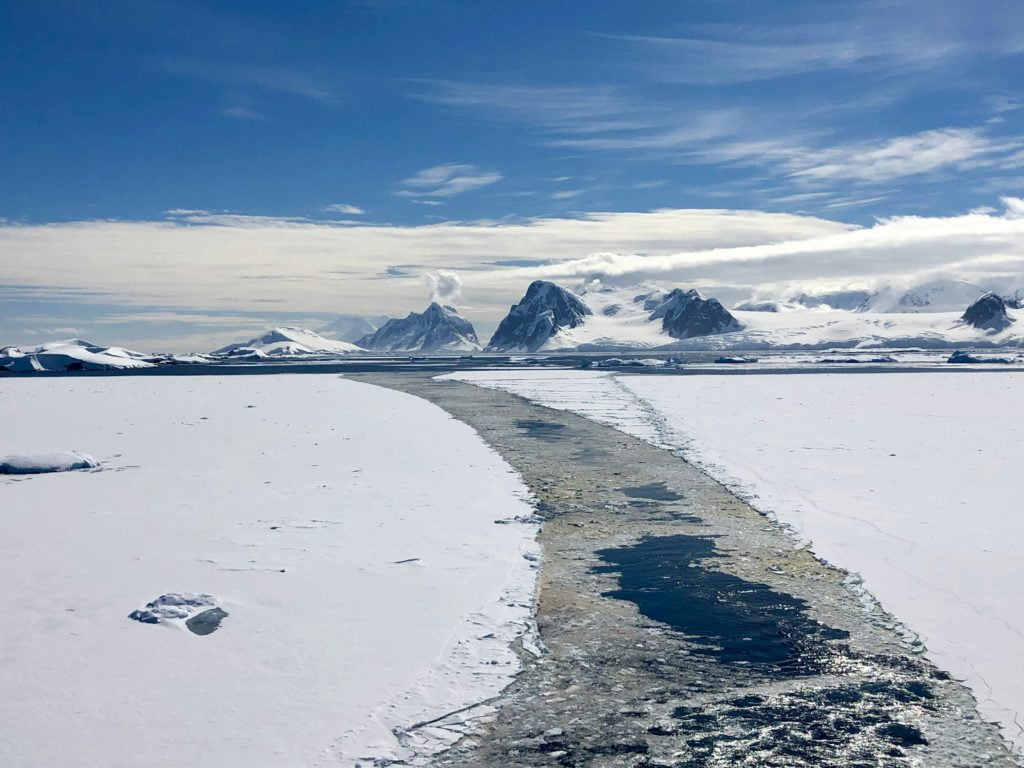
{"type": "Point", "coordinates": [71, 355]}
{"type": "Point", "coordinates": [35, 464]}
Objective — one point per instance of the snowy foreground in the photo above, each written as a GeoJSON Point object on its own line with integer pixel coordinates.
{"type": "Point", "coordinates": [347, 532]}
{"type": "Point", "coordinates": [909, 480]}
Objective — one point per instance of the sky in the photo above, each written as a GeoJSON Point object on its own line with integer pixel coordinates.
{"type": "Point", "coordinates": [178, 175]}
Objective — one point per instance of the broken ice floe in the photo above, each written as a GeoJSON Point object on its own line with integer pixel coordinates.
{"type": "Point", "coordinates": [60, 461]}
{"type": "Point", "coordinates": [199, 612]}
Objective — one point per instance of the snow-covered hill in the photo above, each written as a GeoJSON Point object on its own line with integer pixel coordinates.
{"type": "Point", "coordinates": [71, 355]}
{"type": "Point", "coordinates": [942, 295]}
{"type": "Point", "coordinates": [439, 328]}
{"type": "Point", "coordinates": [351, 328]}
{"type": "Point", "coordinates": [551, 318]}
{"type": "Point", "coordinates": [287, 342]}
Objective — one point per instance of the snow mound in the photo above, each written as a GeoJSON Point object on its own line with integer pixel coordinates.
{"type": "Point", "coordinates": [188, 359]}
{"type": "Point", "coordinates": [286, 342]}
{"type": "Point", "coordinates": [617, 362]}
{"type": "Point", "coordinates": [199, 612]}
{"type": "Point", "coordinates": [71, 355]}
{"type": "Point", "coordinates": [61, 461]}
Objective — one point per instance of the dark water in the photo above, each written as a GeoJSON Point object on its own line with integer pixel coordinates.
{"type": "Point", "coordinates": [727, 618]}
{"type": "Point", "coordinates": [652, 491]}
{"type": "Point", "coordinates": [826, 722]}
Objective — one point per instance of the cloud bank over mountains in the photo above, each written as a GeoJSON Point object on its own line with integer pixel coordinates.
{"type": "Point", "coordinates": [252, 265]}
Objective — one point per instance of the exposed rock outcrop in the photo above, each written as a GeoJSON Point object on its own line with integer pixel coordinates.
{"type": "Point", "coordinates": [988, 313]}
{"type": "Point", "coordinates": [685, 314]}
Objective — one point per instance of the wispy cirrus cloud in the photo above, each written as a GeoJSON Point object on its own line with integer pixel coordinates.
{"type": "Point", "coordinates": [904, 156]}
{"type": "Point", "coordinates": [446, 181]}
{"type": "Point", "coordinates": [766, 142]}
{"type": "Point", "coordinates": [555, 108]}
{"type": "Point", "coordinates": [576, 116]}
{"type": "Point", "coordinates": [695, 61]}
{"type": "Point", "coordinates": [242, 113]}
{"type": "Point", "coordinates": [873, 37]}
{"type": "Point", "coordinates": [272, 79]}
{"type": "Point", "coordinates": [345, 208]}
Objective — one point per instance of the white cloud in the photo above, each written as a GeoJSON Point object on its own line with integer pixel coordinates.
{"type": "Point", "coordinates": [350, 210]}
{"type": "Point", "coordinates": [444, 286]}
{"type": "Point", "coordinates": [899, 249]}
{"type": "Point", "coordinates": [187, 212]}
{"type": "Point", "coordinates": [446, 181]}
{"type": "Point", "coordinates": [237, 264]}
{"type": "Point", "coordinates": [1014, 207]}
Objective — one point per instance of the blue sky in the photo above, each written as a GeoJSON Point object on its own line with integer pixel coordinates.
{"type": "Point", "coordinates": [404, 113]}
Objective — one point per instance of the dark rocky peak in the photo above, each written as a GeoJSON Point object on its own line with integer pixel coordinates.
{"type": "Point", "coordinates": [685, 314]}
{"type": "Point", "coordinates": [545, 309]}
{"type": "Point", "coordinates": [988, 313]}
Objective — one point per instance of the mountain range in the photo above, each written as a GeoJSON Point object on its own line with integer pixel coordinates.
{"type": "Point", "coordinates": [550, 318]}
{"type": "Point", "coordinates": [938, 314]}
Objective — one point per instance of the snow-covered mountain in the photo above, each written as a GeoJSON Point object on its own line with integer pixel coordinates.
{"type": "Point", "coordinates": [351, 328]}
{"type": "Point", "coordinates": [544, 312]}
{"type": "Point", "coordinates": [551, 318]}
{"type": "Point", "coordinates": [439, 328]}
{"type": "Point", "coordinates": [286, 342]}
{"type": "Point", "coordinates": [72, 355]}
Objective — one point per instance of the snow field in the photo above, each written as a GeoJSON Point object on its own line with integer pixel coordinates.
{"type": "Point", "coordinates": [347, 531]}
